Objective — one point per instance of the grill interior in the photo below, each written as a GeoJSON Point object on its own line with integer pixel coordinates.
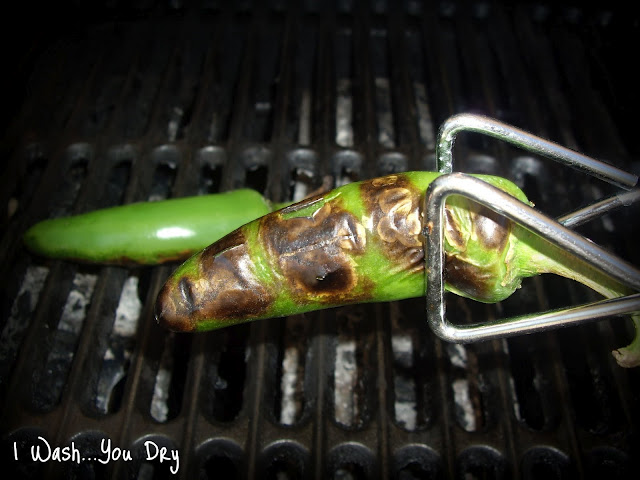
{"type": "Point", "coordinates": [157, 100]}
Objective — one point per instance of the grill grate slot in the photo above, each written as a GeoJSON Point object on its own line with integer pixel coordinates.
{"type": "Point", "coordinates": [120, 347]}
{"type": "Point", "coordinates": [18, 320]}
{"type": "Point", "coordinates": [50, 378]}
{"type": "Point", "coordinates": [225, 395]}
{"type": "Point", "coordinates": [292, 372]}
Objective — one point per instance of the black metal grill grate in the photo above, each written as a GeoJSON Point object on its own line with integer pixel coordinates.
{"type": "Point", "coordinates": [154, 101]}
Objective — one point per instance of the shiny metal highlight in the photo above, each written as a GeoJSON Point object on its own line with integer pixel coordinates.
{"type": "Point", "coordinates": [527, 141]}
{"type": "Point", "coordinates": [595, 210]}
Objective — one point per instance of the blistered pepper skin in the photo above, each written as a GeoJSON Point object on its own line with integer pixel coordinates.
{"type": "Point", "coordinates": [358, 243]}
{"type": "Point", "coordinates": [146, 233]}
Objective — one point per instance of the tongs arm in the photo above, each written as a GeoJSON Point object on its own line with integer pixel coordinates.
{"type": "Point", "coordinates": [555, 231]}
{"type": "Point", "coordinates": [494, 128]}
{"type": "Point", "coordinates": [546, 227]}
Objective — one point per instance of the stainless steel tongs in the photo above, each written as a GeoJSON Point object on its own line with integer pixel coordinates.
{"type": "Point", "coordinates": [556, 231]}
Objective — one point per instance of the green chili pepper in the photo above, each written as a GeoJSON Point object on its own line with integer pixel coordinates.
{"type": "Point", "coordinates": [147, 232]}
{"type": "Point", "coordinates": [361, 243]}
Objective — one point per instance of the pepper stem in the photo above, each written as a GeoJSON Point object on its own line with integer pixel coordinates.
{"type": "Point", "coordinates": [533, 255]}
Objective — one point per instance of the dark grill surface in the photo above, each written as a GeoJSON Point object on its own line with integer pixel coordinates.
{"type": "Point", "coordinates": [164, 100]}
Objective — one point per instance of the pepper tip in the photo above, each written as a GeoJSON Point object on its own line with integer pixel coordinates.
{"type": "Point", "coordinates": [166, 311]}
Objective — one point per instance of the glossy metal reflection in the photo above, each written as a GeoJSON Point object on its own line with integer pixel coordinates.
{"type": "Point", "coordinates": [527, 141]}
{"type": "Point", "coordinates": [595, 210]}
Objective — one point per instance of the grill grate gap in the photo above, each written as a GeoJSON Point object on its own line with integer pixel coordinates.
{"type": "Point", "coordinates": [224, 87]}
{"type": "Point", "coordinates": [22, 309]}
{"type": "Point", "coordinates": [595, 404]}
{"type": "Point", "coordinates": [302, 184]}
{"type": "Point", "coordinates": [146, 81]}
{"type": "Point", "coordinates": [24, 190]}
{"type": "Point", "coordinates": [383, 106]}
{"type": "Point", "coordinates": [525, 382]}
{"type": "Point", "coordinates": [291, 374]}
{"type": "Point", "coordinates": [70, 188]}
{"type": "Point", "coordinates": [170, 379]}
{"type": "Point", "coordinates": [413, 387]}
{"type": "Point", "coordinates": [259, 119]}
{"type": "Point", "coordinates": [346, 399]}
{"type": "Point", "coordinates": [352, 368]}
{"type": "Point", "coordinates": [164, 176]}
{"type": "Point", "coordinates": [210, 162]}
{"type": "Point", "coordinates": [417, 73]}
{"type": "Point", "coordinates": [347, 167]}
{"type": "Point", "coordinates": [344, 89]}
{"type": "Point", "coordinates": [185, 82]}
{"type": "Point", "coordinates": [119, 349]}
{"type": "Point", "coordinates": [405, 407]}
{"type": "Point", "coordinates": [530, 376]}
{"type": "Point", "coordinates": [50, 378]}
{"type": "Point", "coordinates": [256, 177]}
{"type": "Point", "coordinates": [255, 163]}
{"type": "Point", "coordinates": [302, 114]}
{"type": "Point", "coordinates": [210, 178]}
{"type": "Point", "coordinates": [468, 384]}
{"type": "Point", "coordinates": [224, 396]}
{"type": "Point", "coordinates": [116, 183]}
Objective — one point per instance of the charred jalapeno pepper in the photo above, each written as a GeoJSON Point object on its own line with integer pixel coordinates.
{"type": "Point", "coordinates": [146, 233]}
{"type": "Point", "coordinates": [361, 243]}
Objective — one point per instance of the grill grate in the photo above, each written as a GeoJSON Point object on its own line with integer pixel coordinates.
{"type": "Point", "coordinates": [157, 101]}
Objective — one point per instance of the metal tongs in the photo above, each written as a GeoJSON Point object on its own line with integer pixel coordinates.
{"type": "Point", "coordinates": [555, 231]}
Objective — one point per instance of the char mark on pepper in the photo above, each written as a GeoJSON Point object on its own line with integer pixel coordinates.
{"type": "Point", "coordinates": [393, 203]}
{"type": "Point", "coordinates": [314, 253]}
{"type": "Point", "coordinates": [471, 228]}
{"type": "Point", "coordinates": [225, 287]}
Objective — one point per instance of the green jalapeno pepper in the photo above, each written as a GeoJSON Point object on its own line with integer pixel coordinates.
{"type": "Point", "coordinates": [361, 243]}
{"type": "Point", "coordinates": [147, 232]}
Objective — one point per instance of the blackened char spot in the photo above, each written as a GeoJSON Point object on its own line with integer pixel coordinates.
{"type": "Point", "coordinates": [468, 278]}
{"type": "Point", "coordinates": [171, 312]}
{"type": "Point", "coordinates": [239, 304]}
{"type": "Point", "coordinates": [321, 275]}
{"type": "Point", "coordinates": [314, 252]}
{"type": "Point", "coordinates": [230, 288]}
